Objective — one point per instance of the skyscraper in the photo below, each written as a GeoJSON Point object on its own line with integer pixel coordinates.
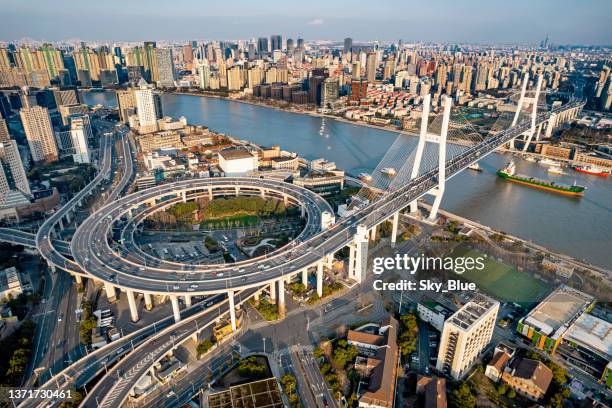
{"type": "Point", "coordinates": [348, 45]}
{"type": "Point", "coordinates": [262, 47]}
{"type": "Point", "coordinates": [165, 67]}
{"type": "Point", "coordinates": [126, 101]}
{"type": "Point", "coordinates": [150, 66]}
{"type": "Point", "coordinates": [12, 173]}
{"type": "Point", "coordinates": [39, 133]}
{"type": "Point", "coordinates": [149, 109]}
{"type": "Point", "coordinates": [80, 132]}
{"type": "Point", "coordinates": [371, 67]}
{"type": "Point", "coordinates": [466, 333]}
{"type": "Point", "coordinates": [276, 42]}
{"type": "Point", "coordinates": [329, 92]}
{"type": "Point", "coordinates": [290, 46]}
{"type": "Point", "coordinates": [300, 43]}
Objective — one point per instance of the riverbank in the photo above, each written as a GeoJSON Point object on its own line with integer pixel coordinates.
{"type": "Point", "coordinates": [296, 111]}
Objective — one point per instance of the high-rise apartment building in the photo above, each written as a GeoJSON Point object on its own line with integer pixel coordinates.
{"type": "Point", "coordinates": [69, 96]}
{"type": "Point", "coordinates": [371, 67]}
{"type": "Point", "coordinates": [126, 101]}
{"type": "Point", "coordinates": [466, 333]}
{"type": "Point", "coordinates": [148, 106]}
{"type": "Point", "coordinates": [80, 133]}
{"type": "Point", "coordinates": [166, 74]}
{"type": "Point", "coordinates": [67, 110]}
{"type": "Point", "coordinates": [329, 92]}
{"type": "Point", "coordinates": [12, 172]}
{"type": "Point", "coordinates": [39, 133]}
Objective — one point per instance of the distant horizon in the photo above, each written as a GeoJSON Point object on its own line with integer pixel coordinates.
{"type": "Point", "coordinates": [478, 22]}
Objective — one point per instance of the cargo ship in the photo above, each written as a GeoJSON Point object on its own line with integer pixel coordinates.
{"type": "Point", "coordinates": [595, 171]}
{"type": "Point", "coordinates": [508, 173]}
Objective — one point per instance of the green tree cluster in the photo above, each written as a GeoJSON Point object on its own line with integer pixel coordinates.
{"type": "Point", "coordinates": [462, 396]}
{"type": "Point", "coordinates": [290, 386]}
{"type": "Point", "coordinates": [249, 367]}
{"type": "Point", "coordinates": [344, 353]}
{"type": "Point", "coordinates": [88, 322]}
{"type": "Point", "coordinates": [16, 351]}
{"type": "Point", "coordinates": [223, 207]}
{"type": "Point", "coordinates": [268, 310]}
{"type": "Point", "coordinates": [205, 345]}
{"type": "Point", "coordinates": [407, 341]}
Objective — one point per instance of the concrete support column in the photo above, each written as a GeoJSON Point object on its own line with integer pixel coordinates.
{"type": "Point", "coordinates": [272, 292]}
{"type": "Point", "coordinates": [320, 279]}
{"type": "Point", "coordinates": [263, 193]}
{"type": "Point", "coordinates": [232, 310]}
{"type": "Point", "coordinates": [67, 217]}
{"type": "Point", "coordinates": [148, 301]}
{"type": "Point", "coordinates": [184, 196]}
{"type": "Point", "coordinates": [395, 225]}
{"type": "Point", "coordinates": [111, 295]}
{"type": "Point", "coordinates": [414, 207]}
{"type": "Point", "coordinates": [132, 303]}
{"type": "Point", "coordinates": [373, 233]}
{"type": "Point", "coordinates": [194, 337]}
{"type": "Point", "coordinates": [61, 224]}
{"type": "Point", "coordinates": [256, 297]}
{"type": "Point", "coordinates": [78, 279]}
{"type": "Point", "coordinates": [281, 298]}
{"type": "Point", "coordinates": [351, 264]}
{"type": "Point", "coordinates": [303, 211]}
{"type": "Point", "coordinates": [51, 267]}
{"type": "Point", "coordinates": [175, 308]}
{"type": "Point", "coordinates": [237, 191]}
{"type": "Point", "coordinates": [285, 199]}
{"type": "Point", "coordinates": [361, 253]}
{"type": "Point", "coordinates": [330, 261]}
{"type": "Point", "coordinates": [210, 193]}
{"type": "Point", "coordinates": [188, 301]}
{"type": "Point", "coordinates": [305, 278]}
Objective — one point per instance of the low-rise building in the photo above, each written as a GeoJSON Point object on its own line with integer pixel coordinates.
{"type": "Point", "coordinates": [501, 357]}
{"type": "Point", "coordinates": [433, 313]}
{"type": "Point", "coordinates": [10, 284]}
{"type": "Point", "coordinates": [324, 184]}
{"type": "Point", "coordinates": [529, 378]}
{"type": "Point", "coordinates": [379, 354]}
{"type": "Point", "coordinates": [237, 161]}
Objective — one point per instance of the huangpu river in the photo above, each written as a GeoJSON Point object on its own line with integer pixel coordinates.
{"type": "Point", "coordinates": [579, 227]}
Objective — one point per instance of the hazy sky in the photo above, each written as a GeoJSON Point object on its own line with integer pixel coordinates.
{"type": "Point", "coordinates": [478, 21]}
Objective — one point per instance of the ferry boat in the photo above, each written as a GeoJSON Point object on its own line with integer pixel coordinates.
{"type": "Point", "coordinates": [509, 173]}
{"type": "Point", "coordinates": [549, 162]}
{"type": "Point", "coordinates": [595, 171]}
{"type": "Point", "coordinates": [475, 166]}
{"type": "Point", "coordinates": [388, 171]}
{"type": "Point", "coordinates": [364, 177]}
{"type": "Point", "coordinates": [555, 170]}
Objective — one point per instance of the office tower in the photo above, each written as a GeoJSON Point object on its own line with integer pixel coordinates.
{"type": "Point", "coordinates": [148, 61]}
{"type": "Point", "coordinates": [371, 67]}
{"type": "Point", "coordinates": [356, 70]}
{"type": "Point", "coordinates": [66, 96]}
{"type": "Point", "coordinates": [300, 43]}
{"type": "Point", "coordinates": [329, 92]}
{"type": "Point", "coordinates": [290, 46]}
{"type": "Point", "coordinates": [348, 45]}
{"type": "Point", "coordinates": [4, 133]}
{"type": "Point", "coordinates": [276, 42]}
{"type": "Point", "coordinates": [126, 101]}
{"type": "Point", "coordinates": [108, 77]}
{"type": "Point", "coordinates": [262, 47]}
{"type": "Point", "coordinates": [466, 333]}
{"type": "Point", "coordinates": [148, 105]}
{"type": "Point", "coordinates": [314, 89]}
{"type": "Point", "coordinates": [80, 133]}
{"type": "Point", "coordinates": [252, 53]}
{"type": "Point", "coordinates": [68, 110]}
{"type": "Point", "coordinates": [165, 67]}
{"type": "Point", "coordinates": [39, 133]}
{"type": "Point", "coordinates": [70, 65]}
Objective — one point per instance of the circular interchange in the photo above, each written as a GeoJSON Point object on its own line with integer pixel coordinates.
{"type": "Point", "coordinates": [127, 266]}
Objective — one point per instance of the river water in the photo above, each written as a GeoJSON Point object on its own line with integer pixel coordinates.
{"type": "Point", "coordinates": [580, 227]}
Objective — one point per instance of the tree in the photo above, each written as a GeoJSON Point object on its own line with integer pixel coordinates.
{"type": "Point", "coordinates": [462, 397]}
{"type": "Point", "coordinates": [250, 367]}
{"type": "Point", "coordinates": [408, 337]}
{"type": "Point", "coordinates": [204, 346]}
{"type": "Point", "coordinates": [344, 353]}
{"type": "Point", "coordinates": [511, 393]}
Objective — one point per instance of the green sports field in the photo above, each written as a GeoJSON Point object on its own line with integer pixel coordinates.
{"type": "Point", "coordinates": [503, 282]}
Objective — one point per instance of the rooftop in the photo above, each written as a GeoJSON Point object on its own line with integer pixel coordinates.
{"type": "Point", "coordinates": [472, 311]}
{"type": "Point", "coordinates": [235, 153]}
{"type": "Point", "coordinates": [558, 309]}
{"type": "Point", "coordinates": [592, 332]}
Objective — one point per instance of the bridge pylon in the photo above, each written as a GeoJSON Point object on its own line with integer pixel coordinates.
{"type": "Point", "coordinates": [440, 140]}
{"type": "Point", "coordinates": [534, 113]}
{"type": "Point", "coordinates": [520, 105]}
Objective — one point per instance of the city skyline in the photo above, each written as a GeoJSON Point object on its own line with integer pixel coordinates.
{"type": "Point", "coordinates": [476, 22]}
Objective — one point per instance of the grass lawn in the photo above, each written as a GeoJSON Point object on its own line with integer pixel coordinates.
{"type": "Point", "coordinates": [502, 281]}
